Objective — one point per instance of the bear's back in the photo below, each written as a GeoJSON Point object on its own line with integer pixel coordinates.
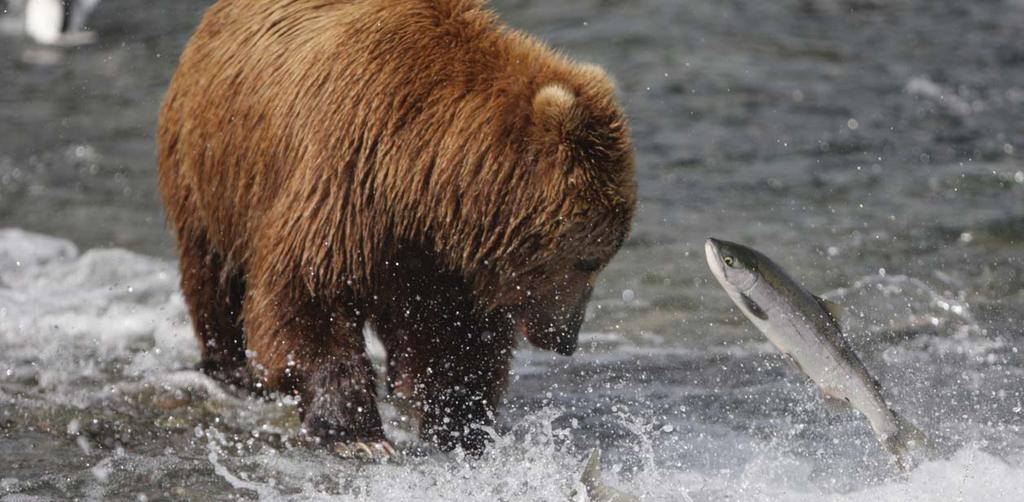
{"type": "Point", "coordinates": [275, 103]}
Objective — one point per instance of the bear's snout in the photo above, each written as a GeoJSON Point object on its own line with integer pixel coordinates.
{"type": "Point", "coordinates": [558, 332]}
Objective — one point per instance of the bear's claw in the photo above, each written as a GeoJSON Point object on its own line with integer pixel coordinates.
{"type": "Point", "coordinates": [372, 451]}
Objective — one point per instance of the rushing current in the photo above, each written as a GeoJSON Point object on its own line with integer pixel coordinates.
{"type": "Point", "coordinates": [873, 148]}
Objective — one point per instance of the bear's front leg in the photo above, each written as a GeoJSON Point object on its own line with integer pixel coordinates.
{"type": "Point", "coordinates": [338, 405]}
{"type": "Point", "coordinates": [460, 388]}
{"type": "Point", "coordinates": [316, 350]}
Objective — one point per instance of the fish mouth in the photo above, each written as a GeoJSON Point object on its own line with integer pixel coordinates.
{"type": "Point", "coordinates": [714, 257]}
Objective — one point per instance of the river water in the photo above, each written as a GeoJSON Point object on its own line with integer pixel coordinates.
{"type": "Point", "coordinates": [873, 148]}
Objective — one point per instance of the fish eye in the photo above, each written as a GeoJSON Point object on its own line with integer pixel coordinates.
{"type": "Point", "coordinates": [729, 261]}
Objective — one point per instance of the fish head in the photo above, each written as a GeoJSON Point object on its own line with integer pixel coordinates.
{"type": "Point", "coordinates": [734, 265]}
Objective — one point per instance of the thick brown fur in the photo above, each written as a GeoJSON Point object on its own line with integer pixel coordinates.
{"type": "Point", "coordinates": [411, 164]}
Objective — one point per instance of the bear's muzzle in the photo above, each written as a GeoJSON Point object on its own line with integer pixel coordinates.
{"type": "Point", "coordinates": [558, 332]}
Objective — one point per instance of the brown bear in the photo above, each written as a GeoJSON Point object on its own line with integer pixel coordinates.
{"type": "Point", "coordinates": [411, 165]}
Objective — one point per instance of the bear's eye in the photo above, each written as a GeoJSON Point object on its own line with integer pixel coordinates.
{"type": "Point", "coordinates": [588, 264]}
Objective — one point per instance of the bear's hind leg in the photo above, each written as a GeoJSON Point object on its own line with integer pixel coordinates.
{"type": "Point", "coordinates": [214, 299]}
{"type": "Point", "coordinates": [317, 352]}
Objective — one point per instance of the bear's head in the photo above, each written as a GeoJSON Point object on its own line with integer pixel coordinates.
{"type": "Point", "coordinates": [574, 212]}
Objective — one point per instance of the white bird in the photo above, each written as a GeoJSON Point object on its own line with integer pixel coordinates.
{"type": "Point", "coordinates": [58, 22]}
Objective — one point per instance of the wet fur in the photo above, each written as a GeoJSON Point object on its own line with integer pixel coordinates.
{"type": "Point", "coordinates": [408, 164]}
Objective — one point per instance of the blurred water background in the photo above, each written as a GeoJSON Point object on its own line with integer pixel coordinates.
{"type": "Point", "coordinates": [872, 147]}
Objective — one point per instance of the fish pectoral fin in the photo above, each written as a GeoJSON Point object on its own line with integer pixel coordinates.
{"type": "Point", "coordinates": [835, 310]}
{"type": "Point", "coordinates": [754, 308]}
{"type": "Point", "coordinates": [835, 404]}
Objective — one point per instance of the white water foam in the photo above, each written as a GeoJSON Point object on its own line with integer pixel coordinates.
{"type": "Point", "coordinates": [77, 328]}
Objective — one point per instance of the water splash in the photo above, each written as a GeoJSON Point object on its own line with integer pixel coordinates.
{"type": "Point", "coordinates": [97, 400]}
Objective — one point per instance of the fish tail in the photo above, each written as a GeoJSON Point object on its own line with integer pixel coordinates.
{"type": "Point", "coordinates": [591, 480]}
{"type": "Point", "coordinates": [906, 439]}
{"type": "Point", "coordinates": [591, 470]}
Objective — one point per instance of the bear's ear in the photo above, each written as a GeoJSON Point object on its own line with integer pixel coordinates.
{"type": "Point", "coordinates": [557, 117]}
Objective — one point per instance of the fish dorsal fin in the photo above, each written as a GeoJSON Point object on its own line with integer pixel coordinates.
{"type": "Point", "coordinates": [835, 310]}
{"type": "Point", "coordinates": [591, 480]}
